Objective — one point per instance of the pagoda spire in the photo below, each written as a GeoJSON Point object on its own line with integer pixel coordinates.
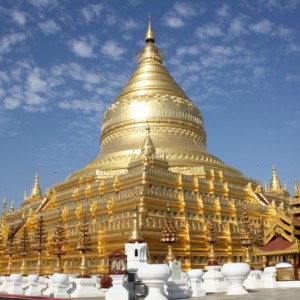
{"type": "Point", "coordinates": [4, 207]}
{"type": "Point", "coordinates": [12, 207]}
{"type": "Point", "coordinates": [149, 34]}
{"type": "Point", "coordinates": [275, 183]}
{"type": "Point", "coordinates": [150, 52]}
{"type": "Point", "coordinates": [36, 190]}
{"type": "Point", "coordinates": [136, 235]}
{"type": "Point", "coordinates": [296, 189]}
{"type": "Point", "coordinates": [148, 148]}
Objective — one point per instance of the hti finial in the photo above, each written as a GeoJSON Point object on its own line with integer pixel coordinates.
{"type": "Point", "coordinates": [148, 130]}
{"type": "Point", "coordinates": [149, 34]}
{"type": "Point", "coordinates": [36, 190]}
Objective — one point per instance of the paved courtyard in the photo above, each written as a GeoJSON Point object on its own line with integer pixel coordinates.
{"type": "Point", "coordinates": [264, 294]}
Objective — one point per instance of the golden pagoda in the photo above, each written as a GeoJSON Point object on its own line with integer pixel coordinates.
{"type": "Point", "coordinates": [153, 152]}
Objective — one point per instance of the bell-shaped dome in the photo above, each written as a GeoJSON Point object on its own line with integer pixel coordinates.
{"type": "Point", "coordinates": [152, 98]}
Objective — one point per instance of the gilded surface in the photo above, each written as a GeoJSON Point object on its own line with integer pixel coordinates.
{"type": "Point", "coordinates": [153, 152]}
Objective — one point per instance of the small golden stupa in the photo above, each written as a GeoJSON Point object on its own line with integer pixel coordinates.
{"type": "Point", "coordinates": [153, 152]}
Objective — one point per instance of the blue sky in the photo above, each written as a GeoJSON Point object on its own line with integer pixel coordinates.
{"type": "Point", "coordinates": [62, 62]}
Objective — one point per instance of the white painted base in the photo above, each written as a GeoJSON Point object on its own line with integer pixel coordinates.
{"type": "Point", "coordinates": [178, 289]}
{"type": "Point", "coordinates": [195, 277]}
{"type": "Point", "coordinates": [213, 280]}
{"type": "Point", "coordinates": [33, 290]}
{"type": "Point", "coordinates": [14, 284]}
{"type": "Point", "coordinates": [254, 281]}
{"type": "Point", "coordinates": [154, 276]}
{"type": "Point", "coordinates": [117, 291]}
{"type": "Point", "coordinates": [60, 285]}
{"type": "Point", "coordinates": [3, 286]}
{"type": "Point", "coordinates": [33, 287]}
{"type": "Point", "coordinates": [269, 277]}
{"type": "Point", "coordinates": [85, 287]}
{"type": "Point", "coordinates": [235, 274]}
{"type": "Point", "coordinates": [60, 290]}
{"type": "Point", "coordinates": [14, 288]}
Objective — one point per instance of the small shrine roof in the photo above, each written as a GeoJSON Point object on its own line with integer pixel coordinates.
{"type": "Point", "coordinates": [279, 243]}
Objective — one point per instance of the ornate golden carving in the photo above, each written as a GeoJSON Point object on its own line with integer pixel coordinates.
{"type": "Point", "coordinates": [169, 234]}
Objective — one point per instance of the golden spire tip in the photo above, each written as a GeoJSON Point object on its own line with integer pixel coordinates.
{"type": "Point", "coordinates": [149, 34]}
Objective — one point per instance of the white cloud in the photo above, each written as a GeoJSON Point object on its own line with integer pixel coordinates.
{"type": "Point", "coordinates": [238, 26]}
{"type": "Point", "coordinates": [259, 72]}
{"type": "Point", "coordinates": [85, 106]}
{"type": "Point", "coordinates": [35, 108]}
{"type": "Point", "coordinates": [35, 83]}
{"type": "Point", "coordinates": [19, 17]}
{"type": "Point", "coordinates": [263, 27]}
{"type": "Point", "coordinates": [82, 48]}
{"type": "Point", "coordinates": [292, 78]}
{"type": "Point", "coordinates": [282, 5]}
{"type": "Point", "coordinates": [135, 2]}
{"type": "Point", "coordinates": [41, 3]}
{"type": "Point", "coordinates": [2, 93]}
{"type": "Point", "coordinates": [221, 50]}
{"type": "Point", "coordinates": [192, 50]}
{"type": "Point", "coordinates": [49, 26]}
{"type": "Point", "coordinates": [285, 33]}
{"type": "Point", "coordinates": [223, 11]}
{"type": "Point", "coordinates": [129, 24]}
{"type": "Point", "coordinates": [173, 22]}
{"type": "Point", "coordinates": [33, 99]}
{"type": "Point", "coordinates": [76, 72]}
{"type": "Point", "coordinates": [91, 12]}
{"type": "Point", "coordinates": [9, 40]}
{"type": "Point", "coordinates": [180, 12]}
{"type": "Point", "coordinates": [11, 102]}
{"type": "Point", "coordinates": [293, 47]}
{"type": "Point", "coordinates": [110, 19]}
{"type": "Point", "coordinates": [185, 9]}
{"type": "Point", "coordinates": [112, 49]}
{"type": "Point", "coordinates": [92, 78]}
{"type": "Point", "coordinates": [293, 123]}
{"type": "Point", "coordinates": [3, 76]}
{"type": "Point", "coordinates": [209, 30]}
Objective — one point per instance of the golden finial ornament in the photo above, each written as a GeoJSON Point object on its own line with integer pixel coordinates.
{"type": "Point", "coordinates": [136, 235]}
{"type": "Point", "coordinates": [296, 189]}
{"type": "Point", "coordinates": [84, 245]}
{"type": "Point", "coordinates": [24, 245]}
{"type": "Point", "coordinates": [148, 148]}
{"type": "Point", "coordinates": [58, 243]}
{"type": "Point", "coordinates": [169, 235]}
{"type": "Point", "coordinates": [40, 241]}
{"type": "Point", "coordinates": [246, 235]}
{"type": "Point", "coordinates": [36, 190]}
{"type": "Point", "coordinates": [211, 238]}
{"type": "Point", "coordinates": [2, 237]}
{"type": "Point", "coordinates": [275, 185]}
{"type": "Point", "coordinates": [12, 207]}
{"type": "Point", "coordinates": [149, 34]}
{"type": "Point", "coordinates": [260, 240]}
{"type": "Point", "coordinates": [10, 247]}
{"type": "Point", "coordinates": [4, 208]}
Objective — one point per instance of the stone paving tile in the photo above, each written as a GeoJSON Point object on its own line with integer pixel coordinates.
{"type": "Point", "coordinates": [263, 294]}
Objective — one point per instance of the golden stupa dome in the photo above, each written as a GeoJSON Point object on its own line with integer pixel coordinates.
{"type": "Point", "coordinates": [152, 99]}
